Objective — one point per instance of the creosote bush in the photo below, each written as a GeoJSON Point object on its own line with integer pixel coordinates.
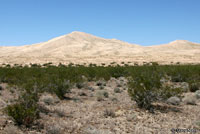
{"type": "Point", "coordinates": [25, 111]}
{"type": "Point", "coordinates": [145, 88]}
{"type": "Point", "coordinates": [60, 89]}
{"type": "Point", "coordinates": [194, 87]}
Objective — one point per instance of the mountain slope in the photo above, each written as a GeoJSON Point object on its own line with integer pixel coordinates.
{"type": "Point", "coordinates": [79, 47]}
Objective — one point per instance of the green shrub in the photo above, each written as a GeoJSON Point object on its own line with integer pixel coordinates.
{"type": "Point", "coordinates": [117, 71]}
{"type": "Point", "coordinates": [194, 87]}
{"type": "Point", "coordinates": [60, 89]}
{"type": "Point", "coordinates": [167, 92]}
{"type": "Point", "coordinates": [106, 94]}
{"type": "Point", "coordinates": [144, 88]}
{"type": "Point", "coordinates": [117, 90]}
{"type": "Point", "coordinates": [177, 78]}
{"type": "Point", "coordinates": [26, 111]}
{"type": "Point", "coordinates": [53, 78]}
{"type": "Point", "coordinates": [23, 115]}
{"type": "Point", "coordinates": [79, 85]}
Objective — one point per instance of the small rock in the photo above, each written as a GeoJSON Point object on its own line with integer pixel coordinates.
{"type": "Point", "coordinates": [189, 99]}
{"type": "Point", "coordinates": [174, 100]}
{"type": "Point", "coordinates": [197, 94]}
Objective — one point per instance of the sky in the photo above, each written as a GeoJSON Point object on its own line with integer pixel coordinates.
{"type": "Point", "coordinates": [144, 22]}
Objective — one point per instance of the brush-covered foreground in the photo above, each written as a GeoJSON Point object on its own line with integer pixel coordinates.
{"type": "Point", "coordinates": [99, 99]}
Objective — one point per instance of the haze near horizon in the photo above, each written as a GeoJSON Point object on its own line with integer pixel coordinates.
{"type": "Point", "coordinates": [138, 22]}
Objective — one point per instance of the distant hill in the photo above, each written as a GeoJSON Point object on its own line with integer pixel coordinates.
{"type": "Point", "coordinates": [79, 47]}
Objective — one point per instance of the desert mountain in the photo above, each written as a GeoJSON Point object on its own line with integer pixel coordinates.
{"type": "Point", "coordinates": [79, 47]}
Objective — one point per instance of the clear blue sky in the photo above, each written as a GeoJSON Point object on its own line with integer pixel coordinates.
{"type": "Point", "coordinates": [144, 22]}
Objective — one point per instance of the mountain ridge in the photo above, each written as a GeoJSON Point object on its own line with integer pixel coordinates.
{"type": "Point", "coordinates": [80, 47]}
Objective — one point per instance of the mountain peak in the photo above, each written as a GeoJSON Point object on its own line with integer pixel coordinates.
{"type": "Point", "coordinates": [78, 33]}
{"type": "Point", "coordinates": [180, 42]}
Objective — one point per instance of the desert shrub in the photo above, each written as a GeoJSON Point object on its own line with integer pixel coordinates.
{"type": "Point", "coordinates": [60, 112]}
{"type": "Point", "coordinates": [91, 88]}
{"type": "Point", "coordinates": [117, 71]}
{"type": "Point", "coordinates": [35, 65]}
{"type": "Point", "coordinates": [60, 89]}
{"type": "Point", "coordinates": [26, 111]}
{"type": "Point", "coordinates": [99, 83]}
{"type": "Point", "coordinates": [167, 92]}
{"type": "Point", "coordinates": [154, 63]}
{"type": "Point", "coordinates": [109, 113]}
{"type": "Point", "coordinates": [90, 73]}
{"type": "Point", "coordinates": [8, 65]}
{"type": "Point", "coordinates": [101, 87]}
{"type": "Point", "coordinates": [113, 63]}
{"type": "Point", "coordinates": [143, 88]}
{"type": "Point", "coordinates": [79, 85]}
{"type": "Point", "coordinates": [177, 78]}
{"type": "Point", "coordinates": [101, 95]}
{"type": "Point", "coordinates": [143, 97]}
{"type": "Point", "coordinates": [103, 64]}
{"type": "Point", "coordinates": [105, 94]}
{"type": "Point", "coordinates": [53, 79]}
{"type": "Point", "coordinates": [117, 90]}
{"type": "Point", "coordinates": [194, 87]}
